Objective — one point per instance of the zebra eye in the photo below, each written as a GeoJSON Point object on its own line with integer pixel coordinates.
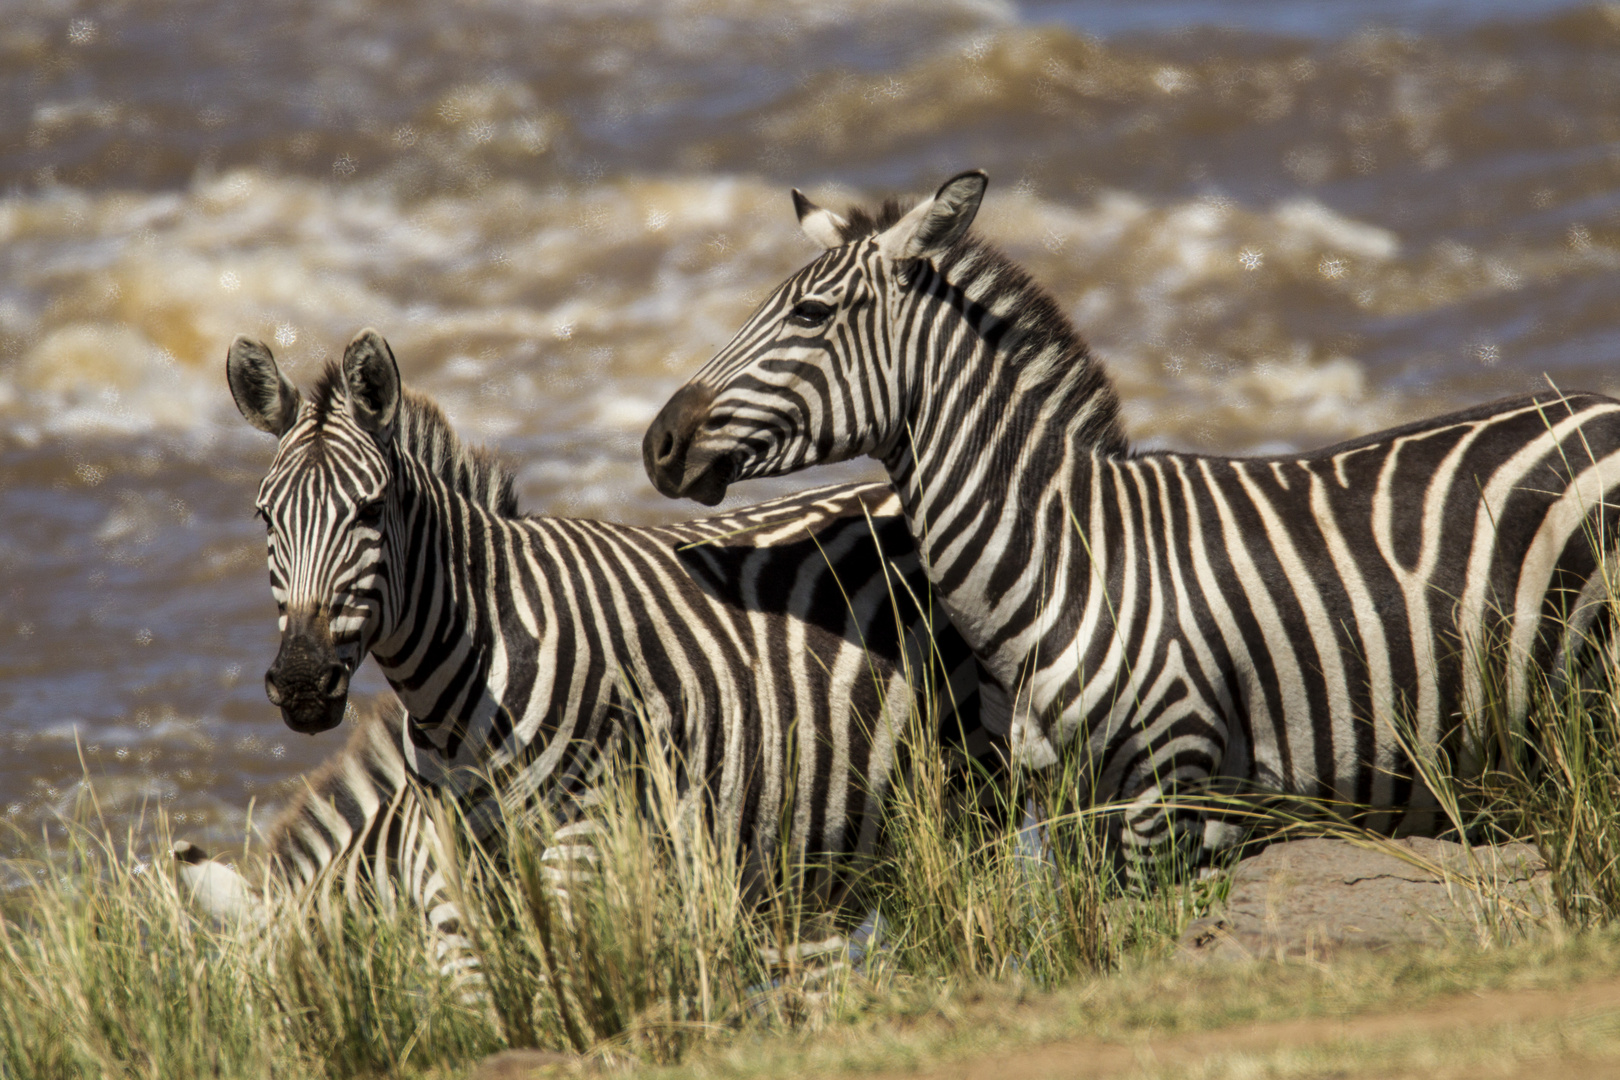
{"type": "Point", "coordinates": [810, 313]}
{"type": "Point", "coordinates": [258, 512]}
{"type": "Point", "coordinates": [370, 512]}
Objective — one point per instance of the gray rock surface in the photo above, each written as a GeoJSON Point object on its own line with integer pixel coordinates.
{"type": "Point", "coordinates": [1317, 896]}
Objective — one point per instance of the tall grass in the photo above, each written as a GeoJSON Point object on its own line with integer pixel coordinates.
{"type": "Point", "coordinates": [1555, 781]}
{"type": "Point", "coordinates": [986, 878]}
{"type": "Point", "coordinates": [1571, 807]}
{"type": "Point", "coordinates": [656, 937]}
{"type": "Point", "coordinates": [640, 943]}
{"type": "Point", "coordinates": [1553, 778]}
{"type": "Point", "coordinates": [661, 936]}
{"type": "Point", "coordinates": [106, 971]}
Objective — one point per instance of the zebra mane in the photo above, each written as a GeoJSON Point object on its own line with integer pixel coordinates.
{"type": "Point", "coordinates": [859, 222]}
{"type": "Point", "coordinates": [1053, 360]}
{"type": "Point", "coordinates": [423, 432]}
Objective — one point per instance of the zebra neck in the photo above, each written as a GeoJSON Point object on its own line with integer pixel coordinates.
{"type": "Point", "coordinates": [992, 380]}
{"type": "Point", "coordinates": [1010, 421]}
{"type": "Point", "coordinates": [999, 395]}
{"type": "Point", "coordinates": [437, 657]}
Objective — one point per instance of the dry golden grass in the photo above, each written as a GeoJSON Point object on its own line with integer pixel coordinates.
{"type": "Point", "coordinates": [1002, 955]}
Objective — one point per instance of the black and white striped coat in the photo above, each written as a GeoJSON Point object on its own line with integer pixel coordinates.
{"type": "Point", "coordinates": [794, 635]}
{"type": "Point", "coordinates": [1266, 623]}
{"type": "Point", "coordinates": [356, 829]}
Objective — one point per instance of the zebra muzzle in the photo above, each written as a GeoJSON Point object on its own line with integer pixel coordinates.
{"type": "Point", "coordinates": [677, 467]}
{"type": "Point", "coordinates": [308, 683]}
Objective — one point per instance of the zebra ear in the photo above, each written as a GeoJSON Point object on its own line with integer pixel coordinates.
{"type": "Point", "coordinates": [933, 225]}
{"type": "Point", "coordinates": [371, 378]}
{"type": "Point", "coordinates": [822, 226]}
{"type": "Point", "coordinates": [264, 396]}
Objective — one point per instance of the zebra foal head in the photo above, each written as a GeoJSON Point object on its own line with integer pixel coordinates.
{"type": "Point", "coordinates": [326, 503]}
{"type": "Point", "coordinates": [817, 374]}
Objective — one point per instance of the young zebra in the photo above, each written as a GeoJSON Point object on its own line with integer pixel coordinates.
{"type": "Point", "coordinates": [356, 827]}
{"type": "Point", "coordinates": [1186, 621]}
{"type": "Point", "coordinates": [791, 635]}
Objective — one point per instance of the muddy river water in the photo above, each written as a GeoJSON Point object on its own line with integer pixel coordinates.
{"type": "Point", "coordinates": [1280, 223]}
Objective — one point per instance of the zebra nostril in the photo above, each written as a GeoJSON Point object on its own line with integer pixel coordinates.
{"type": "Point", "coordinates": [666, 447]}
{"type": "Point", "coordinates": [271, 690]}
{"type": "Point", "coordinates": [335, 683]}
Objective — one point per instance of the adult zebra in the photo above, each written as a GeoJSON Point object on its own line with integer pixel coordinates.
{"type": "Point", "coordinates": [1262, 623]}
{"type": "Point", "coordinates": [796, 634]}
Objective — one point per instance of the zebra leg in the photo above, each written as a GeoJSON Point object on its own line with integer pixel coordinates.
{"type": "Point", "coordinates": [570, 861]}
{"type": "Point", "coordinates": [1162, 824]}
{"type": "Point", "coordinates": [1155, 837]}
{"type": "Point", "coordinates": [332, 847]}
{"type": "Point", "coordinates": [417, 856]}
{"type": "Point", "coordinates": [1229, 821]}
{"type": "Point", "coordinates": [1588, 645]}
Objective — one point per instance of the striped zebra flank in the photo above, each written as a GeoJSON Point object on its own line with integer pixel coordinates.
{"type": "Point", "coordinates": [1179, 623]}
{"type": "Point", "coordinates": [355, 830]}
{"type": "Point", "coordinates": [774, 654]}
{"type": "Point", "coordinates": [357, 833]}
{"type": "Point", "coordinates": [356, 825]}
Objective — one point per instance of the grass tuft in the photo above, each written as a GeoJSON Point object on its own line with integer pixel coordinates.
{"type": "Point", "coordinates": [106, 971]}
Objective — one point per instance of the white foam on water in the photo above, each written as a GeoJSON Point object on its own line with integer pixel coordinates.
{"type": "Point", "coordinates": [124, 304]}
{"type": "Point", "coordinates": [577, 310]}
{"type": "Point", "coordinates": [1189, 302]}
{"type": "Point", "coordinates": [675, 14]}
{"type": "Point", "coordinates": [1306, 220]}
{"type": "Point", "coordinates": [168, 728]}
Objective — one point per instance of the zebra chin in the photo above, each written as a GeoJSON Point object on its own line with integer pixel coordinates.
{"type": "Point", "coordinates": [708, 482]}
{"type": "Point", "coordinates": [701, 478]}
{"type": "Point", "coordinates": [314, 717]}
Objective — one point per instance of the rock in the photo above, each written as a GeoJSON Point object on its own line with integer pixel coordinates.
{"type": "Point", "coordinates": [1313, 897]}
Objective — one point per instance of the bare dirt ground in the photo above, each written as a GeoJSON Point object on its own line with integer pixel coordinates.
{"type": "Point", "coordinates": [1457, 1016]}
{"type": "Point", "coordinates": [1312, 902]}
{"type": "Point", "coordinates": [1312, 898]}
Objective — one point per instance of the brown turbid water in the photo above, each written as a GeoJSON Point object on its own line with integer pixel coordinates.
{"type": "Point", "coordinates": [1281, 223]}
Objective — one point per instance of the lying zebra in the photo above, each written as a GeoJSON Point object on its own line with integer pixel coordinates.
{"type": "Point", "coordinates": [356, 828]}
{"type": "Point", "coordinates": [797, 634]}
{"type": "Point", "coordinates": [1174, 621]}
